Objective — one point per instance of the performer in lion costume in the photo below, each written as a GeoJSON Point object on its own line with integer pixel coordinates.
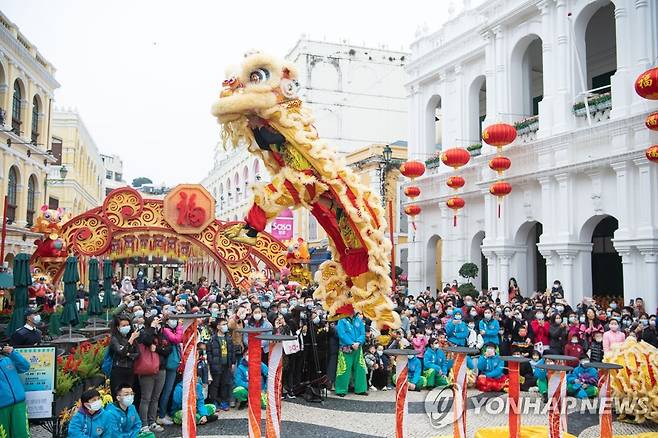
{"type": "Point", "coordinates": [258, 107]}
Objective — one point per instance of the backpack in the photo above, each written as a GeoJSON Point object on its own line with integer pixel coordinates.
{"type": "Point", "coordinates": [106, 365]}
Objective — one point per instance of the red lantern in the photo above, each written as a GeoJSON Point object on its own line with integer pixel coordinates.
{"type": "Point", "coordinates": [499, 134]}
{"type": "Point", "coordinates": [455, 182]}
{"type": "Point", "coordinates": [412, 192]}
{"type": "Point", "coordinates": [455, 157]}
{"type": "Point", "coordinates": [412, 169]}
{"type": "Point", "coordinates": [646, 85]}
{"type": "Point", "coordinates": [500, 189]}
{"type": "Point", "coordinates": [652, 153]}
{"type": "Point", "coordinates": [500, 164]}
{"type": "Point", "coordinates": [652, 121]}
{"type": "Point", "coordinates": [455, 203]}
{"type": "Point", "coordinates": [413, 210]}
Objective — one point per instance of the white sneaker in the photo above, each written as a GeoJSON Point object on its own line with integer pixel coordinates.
{"type": "Point", "coordinates": [165, 421]}
{"type": "Point", "coordinates": [372, 388]}
{"type": "Point", "coordinates": [144, 429]}
{"type": "Point", "coordinates": [155, 427]}
{"type": "Point", "coordinates": [533, 389]}
{"type": "Point", "coordinates": [385, 388]}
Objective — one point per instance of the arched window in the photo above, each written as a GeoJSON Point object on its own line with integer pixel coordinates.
{"type": "Point", "coordinates": [36, 109]}
{"type": "Point", "coordinates": [16, 108]}
{"type": "Point", "coordinates": [12, 189]}
{"type": "Point", "coordinates": [31, 192]}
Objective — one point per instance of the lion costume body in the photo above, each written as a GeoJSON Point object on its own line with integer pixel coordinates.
{"type": "Point", "coordinates": [258, 107]}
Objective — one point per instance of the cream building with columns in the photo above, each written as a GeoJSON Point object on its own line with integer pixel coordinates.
{"type": "Point", "coordinates": [583, 207]}
{"type": "Point", "coordinates": [27, 84]}
{"type": "Point", "coordinates": [82, 187]}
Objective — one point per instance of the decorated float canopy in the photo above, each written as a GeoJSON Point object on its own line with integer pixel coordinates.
{"type": "Point", "coordinates": [180, 227]}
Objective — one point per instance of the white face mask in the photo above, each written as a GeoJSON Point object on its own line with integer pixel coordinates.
{"type": "Point", "coordinates": [127, 400]}
{"type": "Point", "coordinates": [95, 405]}
{"type": "Point", "coordinates": [172, 323]}
{"type": "Point", "coordinates": [124, 330]}
{"type": "Point", "coordinates": [257, 316]}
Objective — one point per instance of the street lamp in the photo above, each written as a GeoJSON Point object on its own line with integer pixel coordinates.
{"type": "Point", "coordinates": [386, 166]}
{"type": "Point", "coordinates": [63, 171]}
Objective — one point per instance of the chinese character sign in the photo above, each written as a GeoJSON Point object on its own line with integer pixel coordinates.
{"type": "Point", "coordinates": [39, 380]}
{"type": "Point", "coordinates": [189, 208]}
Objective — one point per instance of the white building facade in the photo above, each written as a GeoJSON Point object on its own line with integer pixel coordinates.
{"type": "Point", "coordinates": [113, 166]}
{"type": "Point", "coordinates": [583, 208]}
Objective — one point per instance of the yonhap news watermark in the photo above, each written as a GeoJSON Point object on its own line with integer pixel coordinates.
{"type": "Point", "coordinates": [439, 405]}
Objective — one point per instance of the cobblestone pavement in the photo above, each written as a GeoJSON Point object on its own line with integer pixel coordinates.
{"type": "Point", "coordinates": [374, 416]}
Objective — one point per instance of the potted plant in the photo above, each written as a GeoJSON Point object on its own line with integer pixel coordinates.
{"type": "Point", "coordinates": [433, 161]}
{"type": "Point", "coordinates": [475, 149]}
{"type": "Point", "coordinates": [468, 271]}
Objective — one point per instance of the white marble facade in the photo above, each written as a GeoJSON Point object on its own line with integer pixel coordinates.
{"type": "Point", "coordinates": [569, 172]}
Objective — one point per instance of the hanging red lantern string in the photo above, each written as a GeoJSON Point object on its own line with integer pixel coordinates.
{"type": "Point", "coordinates": [455, 182]}
{"type": "Point", "coordinates": [652, 153]}
{"type": "Point", "coordinates": [455, 203]}
{"type": "Point", "coordinates": [652, 121]}
{"type": "Point", "coordinates": [499, 135]}
{"type": "Point", "coordinates": [413, 210]}
{"type": "Point", "coordinates": [500, 164]}
{"type": "Point", "coordinates": [412, 169]}
{"type": "Point", "coordinates": [500, 189]}
{"type": "Point", "coordinates": [455, 157]}
{"type": "Point", "coordinates": [412, 192]}
{"type": "Point", "coordinates": [646, 85]}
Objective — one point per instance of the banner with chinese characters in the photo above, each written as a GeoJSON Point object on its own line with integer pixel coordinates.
{"type": "Point", "coordinates": [39, 381]}
{"type": "Point", "coordinates": [282, 226]}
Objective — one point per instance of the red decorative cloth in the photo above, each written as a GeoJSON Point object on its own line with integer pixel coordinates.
{"type": "Point", "coordinates": [355, 262]}
{"type": "Point", "coordinates": [256, 218]}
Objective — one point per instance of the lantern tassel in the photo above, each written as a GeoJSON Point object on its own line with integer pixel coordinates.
{"type": "Point", "coordinates": [498, 209]}
{"type": "Point", "coordinates": [454, 220]}
{"type": "Point", "coordinates": [413, 225]}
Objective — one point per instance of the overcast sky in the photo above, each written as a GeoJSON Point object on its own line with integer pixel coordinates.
{"type": "Point", "coordinates": [143, 74]}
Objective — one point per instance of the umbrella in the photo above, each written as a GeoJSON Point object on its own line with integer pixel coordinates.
{"type": "Point", "coordinates": [22, 279]}
{"type": "Point", "coordinates": [71, 277]}
{"type": "Point", "coordinates": [107, 286]}
{"type": "Point", "coordinates": [94, 301]}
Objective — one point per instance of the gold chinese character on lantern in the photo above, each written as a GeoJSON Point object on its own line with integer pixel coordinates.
{"type": "Point", "coordinates": [644, 81]}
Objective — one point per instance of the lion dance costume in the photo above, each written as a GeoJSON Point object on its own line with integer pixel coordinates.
{"type": "Point", "coordinates": [258, 107]}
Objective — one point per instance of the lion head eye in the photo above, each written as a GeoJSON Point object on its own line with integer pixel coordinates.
{"type": "Point", "coordinates": [47, 215]}
{"type": "Point", "coordinates": [259, 75]}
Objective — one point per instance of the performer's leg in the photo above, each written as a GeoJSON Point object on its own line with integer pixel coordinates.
{"type": "Point", "coordinates": [343, 372]}
{"type": "Point", "coordinates": [542, 385]}
{"type": "Point", "coordinates": [430, 377]}
{"type": "Point", "coordinates": [591, 391]}
{"type": "Point", "coordinates": [360, 382]}
{"type": "Point", "coordinates": [240, 393]}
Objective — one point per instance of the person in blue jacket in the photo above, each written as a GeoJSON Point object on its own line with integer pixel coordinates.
{"type": "Point", "coordinates": [490, 367]}
{"type": "Point", "coordinates": [414, 374]}
{"type": "Point", "coordinates": [456, 329]}
{"type": "Point", "coordinates": [123, 417]}
{"type": "Point", "coordinates": [91, 420]}
{"type": "Point", "coordinates": [489, 328]}
{"type": "Point", "coordinates": [351, 336]}
{"type": "Point", "coordinates": [13, 412]}
{"type": "Point", "coordinates": [435, 365]}
{"type": "Point", "coordinates": [582, 382]}
{"type": "Point", "coordinates": [205, 413]}
{"type": "Point", "coordinates": [241, 381]}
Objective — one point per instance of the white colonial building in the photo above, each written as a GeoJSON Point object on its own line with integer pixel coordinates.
{"type": "Point", "coordinates": [584, 204]}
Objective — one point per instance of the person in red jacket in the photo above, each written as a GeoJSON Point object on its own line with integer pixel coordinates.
{"type": "Point", "coordinates": [540, 331]}
{"type": "Point", "coordinates": [574, 348]}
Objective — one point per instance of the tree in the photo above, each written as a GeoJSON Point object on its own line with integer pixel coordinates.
{"type": "Point", "coordinates": [468, 271]}
{"type": "Point", "coordinates": [138, 182]}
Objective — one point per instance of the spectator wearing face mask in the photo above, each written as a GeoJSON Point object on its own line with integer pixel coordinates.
{"type": "Point", "coordinates": [29, 334]}
{"type": "Point", "coordinates": [124, 420]}
{"type": "Point", "coordinates": [474, 339]}
{"type": "Point", "coordinates": [647, 330]}
{"type": "Point", "coordinates": [258, 320]}
{"type": "Point", "coordinates": [415, 376]}
{"type": "Point", "coordinates": [591, 325]}
{"type": "Point", "coordinates": [582, 382]}
{"type": "Point", "coordinates": [456, 329]}
{"type": "Point", "coordinates": [575, 349]}
{"type": "Point", "coordinates": [596, 348]}
{"type": "Point", "coordinates": [221, 360]}
{"type": "Point", "coordinates": [173, 333]}
{"type": "Point", "coordinates": [557, 334]}
{"type": "Point", "coordinates": [489, 328]}
{"type": "Point", "coordinates": [435, 365]}
{"type": "Point", "coordinates": [91, 420]}
{"type": "Point", "coordinates": [490, 367]}
{"type": "Point", "coordinates": [540, 331]}
{"type": "Point", "coordinates": [419, 343]}
{"type": "Point", "coordinates": [613, 335]}
{"type": "Point", "coordinates": [124, 352]}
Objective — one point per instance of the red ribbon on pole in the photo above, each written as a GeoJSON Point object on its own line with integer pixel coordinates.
{"type": "Point", "coordinates": [255, 384]}
{"type": "Point", "coordinates": [513, 400]}
{"type": "Point", "coordinates": [273, 412]}
{"type": "Point", "coordinates": [605, 393]}
{"type": "Point", "coordinates": [401, 387]}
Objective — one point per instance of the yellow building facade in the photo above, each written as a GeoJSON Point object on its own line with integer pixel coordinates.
{"type": "Point", "coordinates": [80, 187]}
{"type": "Point", "coordinates": [27, 85]}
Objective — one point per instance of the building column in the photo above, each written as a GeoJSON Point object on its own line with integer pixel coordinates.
{"type": "Point", "coordinates": [21, 202]}
{"type": "Point", "coordinates": [490, 74]}
{"type": "Point", "coordinates": [562, 118]}
{"type": "Point", "coordinates": [567, 279]}
{"type": "Point", "coordinates": [628, 268]}
{"type": "Point", "coordinates": [552, 269]}
{"type": "Point", "coordinates": [622, 92]}
{"type": "Point", "coordinates": [649, 277]}
{"type": "Point", "coordinates": [501, 89]}
{"type": "Point", "coordinates": [546, 184]}
{"type": "Point", "coordinates": [492, 270]}
{"type": "Point", "coordinates": [565, 201]}
{"type": "Point", "coordinates": [646, 186]}
{"type": "Point", "coordinates": [623, 171]}
{"type": "Point", "coordinates": [549, 67]}
{"type": "Point", "coordinates": [416, 258]}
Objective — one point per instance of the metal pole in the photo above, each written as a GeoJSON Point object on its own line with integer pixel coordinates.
{"type": "Point", "coordinates": [4, 230]}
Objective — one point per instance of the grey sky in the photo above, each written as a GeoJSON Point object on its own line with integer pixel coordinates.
{"type": "Point", "coordinates": [143, 74]}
